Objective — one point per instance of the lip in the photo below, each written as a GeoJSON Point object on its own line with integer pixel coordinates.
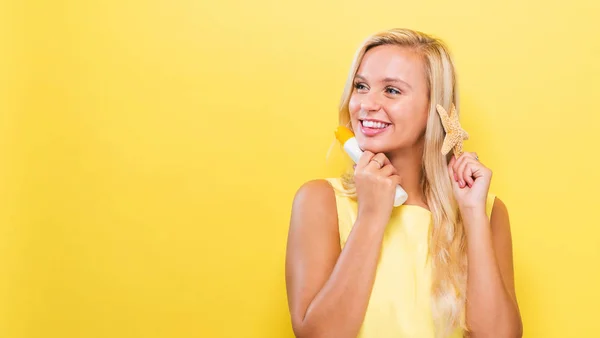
{"type": "Point", "coordinates": [374, 120]}
{"type": "Point", "coordinates": [372, 131]}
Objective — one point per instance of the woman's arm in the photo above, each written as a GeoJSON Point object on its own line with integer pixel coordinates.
{"type": "Point", "coordinates": [328, 288]}
{"type": "Point", "coordinates": [492, 309]}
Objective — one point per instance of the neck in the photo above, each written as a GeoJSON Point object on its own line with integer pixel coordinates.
{"type": "Point", "coordinates": [408, 163]}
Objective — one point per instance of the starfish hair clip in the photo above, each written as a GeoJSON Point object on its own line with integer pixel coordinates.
{"type": "Point", "coordinates": [454, 132]}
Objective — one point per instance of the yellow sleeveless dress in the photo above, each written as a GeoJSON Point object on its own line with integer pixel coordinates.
{"type": "Point", "coordinates": [400, 301]}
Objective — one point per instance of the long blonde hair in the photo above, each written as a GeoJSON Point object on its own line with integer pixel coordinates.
{"type": "Point", "coordinates": [447, 241]}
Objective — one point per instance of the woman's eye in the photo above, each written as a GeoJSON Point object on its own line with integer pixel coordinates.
{"type": "Point", "coordinates": [394, 91]}
{"type": "Point", "coordinates": [360, 86]}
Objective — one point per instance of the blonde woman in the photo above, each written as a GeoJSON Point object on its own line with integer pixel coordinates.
{"type": "Point", "coordinates": [438, 266]}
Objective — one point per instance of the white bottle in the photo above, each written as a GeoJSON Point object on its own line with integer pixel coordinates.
{"type": "Point", "coordinates": [347, 139]}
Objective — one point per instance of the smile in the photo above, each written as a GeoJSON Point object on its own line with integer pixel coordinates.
{"type": "Point", "coordinates": [372, 128]}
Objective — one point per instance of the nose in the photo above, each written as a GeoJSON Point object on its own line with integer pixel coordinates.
{"type": "Point", "coordinates": [370, 103]}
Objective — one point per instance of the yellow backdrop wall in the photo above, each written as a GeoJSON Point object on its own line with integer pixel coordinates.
{"type": "Point", "coordinates": [150, 151]}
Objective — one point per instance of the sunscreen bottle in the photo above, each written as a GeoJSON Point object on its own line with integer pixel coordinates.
{"type": "Point", "coordinates": [348, 141]}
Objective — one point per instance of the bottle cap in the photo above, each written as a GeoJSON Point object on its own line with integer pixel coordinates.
{"type": "Point", "coordinates": [343, 134]}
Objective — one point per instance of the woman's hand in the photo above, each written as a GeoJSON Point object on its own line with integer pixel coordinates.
{"type": "Point", "coordinates": [375, 179]}
{"type": "Point", "coordinates": [470, 182]}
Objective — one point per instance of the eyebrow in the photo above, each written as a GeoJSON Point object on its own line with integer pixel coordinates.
{"type": "Point", "coordinates": [386, 80]}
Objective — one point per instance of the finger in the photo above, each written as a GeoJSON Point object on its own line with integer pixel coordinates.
{"type": "Point", "coordinates": [456, 167]}
{"type": "Point", "coordinates": [453, 177]}
{"type": "Point", "coordinates": [382, 159]}
{"type": "Point", "coordinates": [460, 168]}
{"type": "Point", "coordinates": [451, 169]}
{"type": "Point", "coordinates": [388, 170]}
{"type": "Point", "coordinates": [374, 165]}
{"type": "Point", "coordinates": [476, 170]}
{"type": "Point", "coordinates": [365, 158]}
{"type": "Point", "coordinates": [460, 162]}
{"type": "Point", "coordinates": [479, 170]}
{"type": "Point", "coordinates": [465, 171]}
{"type": "Point", "coordinates": [396, 179]}
{"type": "Point", "coordinates": [455, 162]}
{"type": "Point", "coordinates": [468, 174]}
{"type": "Point", "coordinates": [472, 155]}
{"type": "Point", "coordinates": [378, 161]}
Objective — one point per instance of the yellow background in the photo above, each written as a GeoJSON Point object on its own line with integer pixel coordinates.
{"type": "Point", "coordinates": [150, 151]}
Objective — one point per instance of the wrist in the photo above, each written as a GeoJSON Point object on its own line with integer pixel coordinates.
{"type": "Point", "coordinates": [472, 211]}
{"type": "Point", "coordinates": [372, 220]}
{"type": "Point", "coordinates": [476, 222]}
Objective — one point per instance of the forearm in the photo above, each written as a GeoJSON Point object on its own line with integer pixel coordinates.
{"type": "Point", "coordinates": [338, 309]}
{"type": "Point", "coordinates": [491, 311]}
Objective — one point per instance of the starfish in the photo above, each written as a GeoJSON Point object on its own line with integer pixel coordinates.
{"type": "Point", "coordinates": [454, 132]}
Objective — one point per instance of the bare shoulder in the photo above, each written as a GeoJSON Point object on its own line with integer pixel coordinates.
{"type": "Point", "coordinates": [315, 191]}
{"type": "Point", "coordinates": [314, 205]}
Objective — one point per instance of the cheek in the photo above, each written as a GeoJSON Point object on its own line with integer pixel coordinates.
{"type": "Point", "coordinates": [353, 105]}
{"type": "Point", "coordinates": [420, 119]}
{"type": "Point", "coordinates": [409, 116]}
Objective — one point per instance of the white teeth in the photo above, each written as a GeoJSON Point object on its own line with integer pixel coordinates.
{"type": "Point", "coordinates": [373, 124]}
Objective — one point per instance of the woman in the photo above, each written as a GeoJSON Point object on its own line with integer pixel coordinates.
{"type": "Point", "coordinates": [438, 266]}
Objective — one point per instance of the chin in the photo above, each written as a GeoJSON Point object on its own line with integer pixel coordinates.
{"type": "Point", "coordinates": [374, 146]}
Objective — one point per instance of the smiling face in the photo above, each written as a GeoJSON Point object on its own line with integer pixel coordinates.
{"type": "Point", "coordinates": [389, 102]}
